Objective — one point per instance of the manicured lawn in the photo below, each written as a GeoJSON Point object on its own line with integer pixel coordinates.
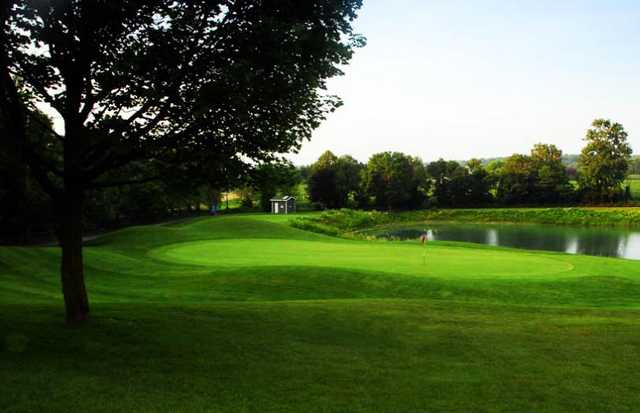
{"type": "Point", "coordinates": [246, 313]}
{"type": "Point", "coordinates": [634, 183]}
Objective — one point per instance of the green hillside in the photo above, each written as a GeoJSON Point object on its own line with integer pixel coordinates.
{"type": "Point", "coordinates": [246, 313]}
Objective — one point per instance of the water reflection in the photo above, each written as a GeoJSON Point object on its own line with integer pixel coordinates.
{"type": "Point", "coordinates": [590, 241]}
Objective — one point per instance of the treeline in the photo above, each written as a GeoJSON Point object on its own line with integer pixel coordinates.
{"type": "Point", "coordinates": [634, 166]}
{"type": "Point", "coordinates": [26, 211]}
{"type": "Point", "coordinates": [393, 180]}
{"type": "Point", "coordinates": [389, 180]}
{"type": "Point", "coordinates": [27, 215]}
{"type": "Point", "coordinates": [570, 161]}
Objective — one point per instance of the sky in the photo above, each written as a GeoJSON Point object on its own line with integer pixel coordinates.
{"type": "Point", "coordinates": [458, 79]}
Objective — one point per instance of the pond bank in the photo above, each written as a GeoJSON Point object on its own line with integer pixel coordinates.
{"type": "Point", "coordinates": [608, 217]}
{"type": "Point", "coordinates": [346, 222]}
{"type": "Point", "coordinates": [597, 241]}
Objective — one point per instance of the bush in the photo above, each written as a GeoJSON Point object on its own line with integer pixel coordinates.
{"type": "Point", "coordinates": [334, 222]}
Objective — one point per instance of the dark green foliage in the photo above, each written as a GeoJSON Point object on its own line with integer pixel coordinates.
{"type": "Point", "coordinates": [322, 183]}
{"type": "Point", "coordinates": [537, 179]}
{"type": "Point", "coordinates": [604, 161]}
{"type": "Point", "coordinates": [551, 178]}
{"type": "Point", "coordinates": [394, 180]}
{"type": "Point", "coordinates": [456, 185]}
{"type": "Point", "coordinates": [634, 166]}
{"type": "Point", "coordinates": [443, 174]}
{"type": "Point", "coordinates": [193, 84]}
{"type": "Point", "coordinates": [516, 181]}
{"type": "Point", "coordinates": [229, 77]}
{"type": "Point", "coordinates": [304, 171]}
{"type": "Point", "coordinates": [271, 179]}
{"type": "Point", "coordinates": [334, 182]}
{"type": "Point", "coordinates": [24, 206]}
{"type": "Point", "coordinates": [349, 181]}
{"type": "Point", "coordinates": [480, 183]}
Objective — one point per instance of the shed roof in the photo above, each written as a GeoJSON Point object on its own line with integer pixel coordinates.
{"type": "Point", "coordinates": [286, 198]}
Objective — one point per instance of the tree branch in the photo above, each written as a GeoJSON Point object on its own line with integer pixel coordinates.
{"type": "Point", "coordinates": [47, 127]}
{"type": "Point", "coordinates": [39, 88]}
{"type": "Point", "coordinates": [108, 184]}
{"type": "Point", "coordinates": [15, 116]}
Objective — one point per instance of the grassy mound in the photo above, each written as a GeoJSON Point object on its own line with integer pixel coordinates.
{"type": "Point", "coordinates": [246, 313]}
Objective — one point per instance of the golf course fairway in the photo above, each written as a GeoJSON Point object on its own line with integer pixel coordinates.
{"type": "Point", "coordinates": [244, 313]}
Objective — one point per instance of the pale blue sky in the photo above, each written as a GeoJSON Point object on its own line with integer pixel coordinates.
{"type": "Point", "coordinates": [480, 78]}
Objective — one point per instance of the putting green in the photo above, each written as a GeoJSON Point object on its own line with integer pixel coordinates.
{"type": "Point", "coordinates": [433, 261]}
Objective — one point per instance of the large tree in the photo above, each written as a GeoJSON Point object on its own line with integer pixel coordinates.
{"type": "Point", "coordinates": [454, 184]}
{"type": "Point", "coordinates": [516, 180]}
{"type": "Point", "coordinates": [335, 181]}
{"type": "Point", "coordinates": [321, 185]}
{"type": "Point", "coordinates": [395, 180]}
{"type": "Point", "coordinates": [447, 178]}
{"type": "Point", "coordinates": [480, 183]}
{"type": "Point", "coordinates": [161, 82]}
{"type": "Point", "coordinates": [551, 178]}
{"type": "Point", "coordinates": [604, 161]}
{"type": "Point", "coordinates": [271, 179]}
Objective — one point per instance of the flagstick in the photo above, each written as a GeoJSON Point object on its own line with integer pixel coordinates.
{"type": "Point", "coordinates": [423, 240]}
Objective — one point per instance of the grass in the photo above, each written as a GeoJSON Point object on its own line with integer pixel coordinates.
{"type": "Point", "coordinates": [346, 222]}
{"type": "Point", "coordinates": [246, 313]}
{"type": "Point", "coordinates": [634, 183]}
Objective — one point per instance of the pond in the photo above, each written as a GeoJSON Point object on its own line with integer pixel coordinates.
{"type": "Point", "coordinates": [607, 242]}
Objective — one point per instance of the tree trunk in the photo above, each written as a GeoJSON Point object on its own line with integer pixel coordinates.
{"type": "Point", "coordinates": [23, 205]}
{"type": "Point", "coordinates": [69, 212]}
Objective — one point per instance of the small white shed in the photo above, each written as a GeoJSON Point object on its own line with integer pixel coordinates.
{"type": "Point", "coordinates": [284, 205]}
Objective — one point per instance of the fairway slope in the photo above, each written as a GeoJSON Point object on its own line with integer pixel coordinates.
{"type": "Point", "coordinates": [246, 313]}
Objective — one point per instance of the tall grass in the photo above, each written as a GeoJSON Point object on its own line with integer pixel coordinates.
{"type": "Point", "coordinates": [345, 221]}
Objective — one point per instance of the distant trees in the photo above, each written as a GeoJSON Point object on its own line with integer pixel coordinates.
{"type": "Point", "coordinates": [634, 166]}
{"type": "Point", "coordinates": [349, 181]}
{"type": "Point", "coordinates": [604, 161]}
{"type": "Point", "coordinates": [304, 171]}
{"type": "Point", "coordinates": [394, 180]}
{"type": "Point", "coordinates": [322, 183]}
{"type": "Point", "coordinates": [516, 180]}
{"type": "Point", "coordinates": [551, 180]}
{"type": "Point", "coordinates": [454, 184]}
{"type": "Point", "coordinates": [270, 179]}
{"type": "Point", "coordinates": [447, 182]}
{"type": "Point", "coordinates": [538, 178]}
{"type": "Point", "coordinates": [480, 183]}
{"type": "Point", "coordinates": [335, 182]}
{"type": "Point", "coordinates": [390, 180]}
